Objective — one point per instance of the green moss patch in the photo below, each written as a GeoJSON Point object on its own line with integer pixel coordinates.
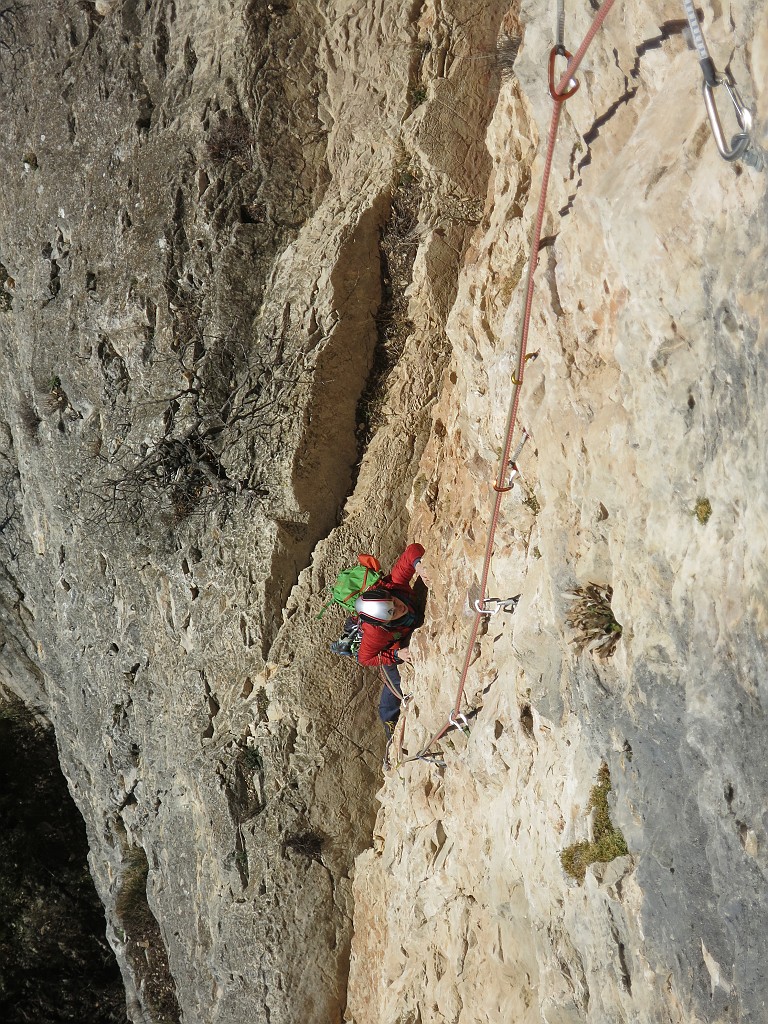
{"type": "Point", "coordinates": [608, 842]}
{"type": "Point", "coordinates": [703, 510]}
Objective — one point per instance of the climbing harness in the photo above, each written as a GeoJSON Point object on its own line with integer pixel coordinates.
{"type": "Point", "coordinates": [402, 697]}
{"type": "Point", "coordinates": [741, 146]}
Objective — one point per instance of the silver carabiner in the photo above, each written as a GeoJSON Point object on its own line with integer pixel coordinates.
{"type": "Point", "coordinates": [503, 604]}
{"type": "Point", "coordinates": [459, 721]}
{"type": "Point", "coordinates": [739, 142]}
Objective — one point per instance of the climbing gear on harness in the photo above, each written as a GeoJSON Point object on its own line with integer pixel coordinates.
{"type": "Point", "coordinates": [505, 604]}
{"type": "Point", "coordinates": [348, 643]}
{"type": "Point", "coordinates": [741, 146]}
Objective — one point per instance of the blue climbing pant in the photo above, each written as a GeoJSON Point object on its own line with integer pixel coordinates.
{"type": "Point", "coordinates": [389, 704]}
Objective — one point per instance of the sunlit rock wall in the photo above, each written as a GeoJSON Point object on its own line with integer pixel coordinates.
{"type": "Point", "coordinates": [645, 404]}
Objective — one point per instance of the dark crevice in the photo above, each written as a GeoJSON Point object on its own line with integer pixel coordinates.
{"type": "Point", "coordinates": [144, 948]}
{"type": "Point", "coordinates": [526, 719]}
{"type": "Point", "coordinates": [626, 977]}
{"type": "Point", "coordinates": [417, 93]}
{"type": "Point", "coordinates": [55, 963]}
{"type": "Point", "coordinates": [398, 243]}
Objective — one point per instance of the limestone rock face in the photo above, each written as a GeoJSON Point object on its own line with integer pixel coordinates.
{"type": "Point", "coordinates": [261, 274]}
{"type": "Point", "coordinates": [643, 408]}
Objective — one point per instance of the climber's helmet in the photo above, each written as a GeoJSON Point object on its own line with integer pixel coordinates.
{"type": "Point", "coordinates": [381, 605]}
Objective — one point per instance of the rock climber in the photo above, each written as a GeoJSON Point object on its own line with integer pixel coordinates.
{"type": "Point", "coordinates": [389, 613]}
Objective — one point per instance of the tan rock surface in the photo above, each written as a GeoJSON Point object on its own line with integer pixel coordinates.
{"type": "Point", "coordinates": [643, 401]}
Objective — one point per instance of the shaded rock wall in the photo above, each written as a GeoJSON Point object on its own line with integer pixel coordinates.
{"type": "Point", "coordinates": [190, 246]}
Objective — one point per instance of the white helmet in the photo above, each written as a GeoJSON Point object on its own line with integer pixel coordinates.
{"type": "Point", "coordinates": [376, 604]}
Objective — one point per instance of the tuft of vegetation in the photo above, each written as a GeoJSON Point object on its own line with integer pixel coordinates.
{"type": "Point", "coordinates": [591, 615]}
{"type": "Point", "coordinates": [57, 396]}
{"type": "Point", "coordinates": [131, 904]}
{"type": "Point", "coordinates": [607, 842]}
{"type": "Point", "coordinates": [507, 50]}
{"type": "Point", "coordinates": [532, 502]}
{"type": "Point", "coordinates": [702, 510]}
{"type": "Point", "coordinates": [418, 96]}
{"type": "Point", "coordinates": [213, 426]}
{"type": "Point", "coordinates": [231, 140]}
{"type": "Point", "coordinates": [306, 844]}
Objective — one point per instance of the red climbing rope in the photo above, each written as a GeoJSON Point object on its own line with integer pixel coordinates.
{"type": "Point", "coordinates": [565, 87]}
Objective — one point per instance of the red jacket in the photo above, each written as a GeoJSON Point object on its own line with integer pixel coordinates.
{"type": "Point", "coordinates": [380, 643]}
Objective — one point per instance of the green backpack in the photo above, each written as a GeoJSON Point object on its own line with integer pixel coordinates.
{"type": "Point", "coordinates": [350, 583]}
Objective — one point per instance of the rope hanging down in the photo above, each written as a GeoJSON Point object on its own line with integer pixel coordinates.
{"type": "Point", "coordinates": [560, 92]}
{"type": "Point", "coordinates": [742, 147]}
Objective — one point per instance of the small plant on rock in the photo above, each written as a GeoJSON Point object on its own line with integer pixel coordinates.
{"type": "Point", "coordinates": [418, 96]}
{"type": "Point", "coordinates": [607, 842]}
{"type": "Point", "coordinates": [592, 617]}
{"type": "Point", "coordinates": [703, 510]}
{"type": "Point", "coordinates": [507, 50]}
{"type": "Point", "coordinates": [232, 139]}
{"type": "Point", "coordinates": [532, 502]}
{"type": "Point", "coordinates": [306, 844]}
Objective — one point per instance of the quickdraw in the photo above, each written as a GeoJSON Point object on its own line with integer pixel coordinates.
{"type": "Point", "coordinates": [459, 721]}
{"type": "Point", "coordinates": [741, 146]}
{"type": "Point", "coordinates": [505, 604]}
{"type": "Point", "coordinates": [560, 97]}
{"type": "Point", "coordinates": [497, 485]}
